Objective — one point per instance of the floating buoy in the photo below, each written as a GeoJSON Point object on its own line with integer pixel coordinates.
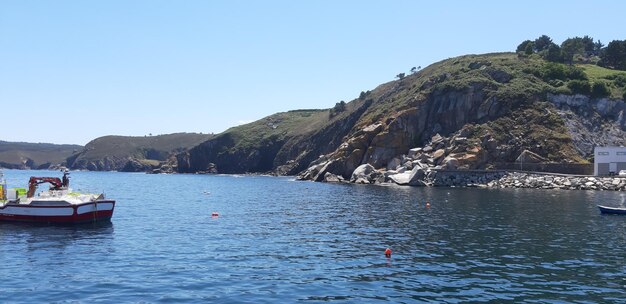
{"type": "Point", "coordinates": [215, 214]}
{"type": "Point", "coordinates": [388, 252]}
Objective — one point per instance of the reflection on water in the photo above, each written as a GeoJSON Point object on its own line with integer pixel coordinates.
{"type": "Point", "coordinates": [276, 240]}
{"type": "Point", "coordinates": [53, 238]}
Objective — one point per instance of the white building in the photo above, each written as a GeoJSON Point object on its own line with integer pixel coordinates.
{"type": "Point", "coordinates": [609, 160]}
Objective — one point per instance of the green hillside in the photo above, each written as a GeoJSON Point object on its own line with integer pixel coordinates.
{"type": "Point", "coordinates": [21, 155]}
{"type": "Point", "coordinates": [132, 153]}
{"type": "Point", "coordinates": [510, 99]}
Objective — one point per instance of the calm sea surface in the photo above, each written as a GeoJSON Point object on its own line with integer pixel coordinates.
{"type": "Point", "coordinates": [278, 240]}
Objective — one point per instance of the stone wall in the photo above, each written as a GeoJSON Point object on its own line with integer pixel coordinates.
{"type": "Point", "coordinates": [576, 169]}
{"type": "Point", "coordinates": [504, 179]}
{"type": "Point", "coordinates": [464, 178]}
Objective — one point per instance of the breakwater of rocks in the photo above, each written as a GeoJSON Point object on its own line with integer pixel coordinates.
{"type": "Point", "coordinates": [503, 179]}
{"type": "Point", "coordinates": [541, 181]}
{"type": "Point", "coordinates": [484, 179]}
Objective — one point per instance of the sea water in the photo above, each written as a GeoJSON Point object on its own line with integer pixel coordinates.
{"type": "Point", "coordinates": [277, 240]}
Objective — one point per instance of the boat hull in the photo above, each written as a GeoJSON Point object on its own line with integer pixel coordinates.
{"type": "Point", "coordinates": [611, 210]}
{"type": "Point", "coordinates": [60, 214]}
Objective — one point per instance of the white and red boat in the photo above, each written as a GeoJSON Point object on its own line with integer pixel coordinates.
{"type": "Point", "coordinates": [59, 204]}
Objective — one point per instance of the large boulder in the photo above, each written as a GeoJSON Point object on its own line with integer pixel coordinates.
{"type": "Point", "coordinates": [332, 178]}
{"type": "Point", "coordinates": [394, 163]}
{"type": "Point", "coordinates": [438, 154]}
{"type": "Point", "coordinates": [450, 163]}
{"type": "Point", "coordinates": [413, 178]}
{"type": "Point", "coordinates": [331, 166]}
{"type": "Point", "coordinates": [414, 152]}
{"type": "Point", "coordinates": [365, 174]}
{"type": "Point", "coordinates": [417, 177]}
{"type": "Point", "coordinates": [401, 178]}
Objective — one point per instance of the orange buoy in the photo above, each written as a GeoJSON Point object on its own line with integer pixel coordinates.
{"type": "Point", "coordinates": [388, 252]}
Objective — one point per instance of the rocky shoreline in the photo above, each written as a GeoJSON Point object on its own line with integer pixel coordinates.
{"type": "Point", "coordinates": [494, 179]}
{"type": "Point", "coordinates": [453, 162]}
{"type": "Point", "coordinates": [539, 181]}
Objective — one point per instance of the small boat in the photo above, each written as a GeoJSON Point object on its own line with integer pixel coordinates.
{"type": "Point", "coordinates": [59, 204]}
{"type": "Point", "coordinates": [611, 210]}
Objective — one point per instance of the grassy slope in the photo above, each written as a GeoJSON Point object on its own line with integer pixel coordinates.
{"type": "Point", "coordinates": [135, 146]}
{"type": "Point", "coordinates": [281, 126]}
{"type": "Point", "coordinates": [614, 78]}
{"type": "Point", "coordinates": [457, 74]}
{"type": "Point", "coordinates": [40, 153]}
{"type": "Point", "coordinates": [529, 123]}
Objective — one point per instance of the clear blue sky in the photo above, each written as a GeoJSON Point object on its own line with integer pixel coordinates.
{"type": "Point", "coordinates": [71, 71]}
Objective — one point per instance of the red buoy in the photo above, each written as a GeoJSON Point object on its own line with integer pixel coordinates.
{"type": "Point", "coordinates": [388, 252]}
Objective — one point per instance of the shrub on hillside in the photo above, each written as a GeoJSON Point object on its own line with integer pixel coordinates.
{"type": "Point", "coordinates": [618, 79]}
{"type": "Point", "coordinates": [579, 87]}
{"type": "Point", "coordinates": [338, 108]}
{"type": "Point", "coordinates": [576, 73]}
{"type": "Point", "coordinates": [600, 90]}
{"type": "Point", "coordinates": [554, 71]}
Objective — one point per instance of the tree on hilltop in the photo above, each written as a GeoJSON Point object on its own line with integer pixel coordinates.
{"type": "Point", "coordinates": [573, 46]}
{"type": "Point", "coordinates": [589, 46]}
{"type": "Point", "coordinates": [525, 47]}
{"type": "Point", "coordinates": [542, 43]}
{"type": "Point", "coordinates": [553, 53]}
{"type": "Point", "coordinates": [597, 48]}
{"type": "Point", "coordinates": [614, 55]}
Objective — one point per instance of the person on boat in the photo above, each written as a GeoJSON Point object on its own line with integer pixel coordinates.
{"type": "Point", "coordinates": [66, 178]}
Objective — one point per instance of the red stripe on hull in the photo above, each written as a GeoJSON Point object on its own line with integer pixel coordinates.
{"type": "Point", "coordinates": [75, 218]}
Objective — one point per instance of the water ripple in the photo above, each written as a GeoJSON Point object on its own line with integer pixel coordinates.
{"type": "Point", "coordinates": [276, 240]}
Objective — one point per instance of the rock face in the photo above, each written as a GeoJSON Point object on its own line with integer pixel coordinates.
{"type": "Point", "coordinates": [283, 151]}
{"type": "Point", "coordinates": [592, 122]}
{"type": "Point", "coordinates": [470, 112]}
{"type": "Point", "coordinates": [132, 153]}
{"type": "Point", "coordinates": [455, 152]}
{"type": "Point", "coordinates": [21, 155]}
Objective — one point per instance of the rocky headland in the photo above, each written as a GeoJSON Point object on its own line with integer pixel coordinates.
{"type": "Point", "coordinates": [462, 121]}
{"type": "Point", "coordinates": [477, 112]}
{"type": "Point", "coordinates": [134, 153]}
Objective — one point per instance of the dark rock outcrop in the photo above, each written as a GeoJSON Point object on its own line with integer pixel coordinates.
{"type": "Point", "coordinates": [22, 155]}
{"type": "Point", "coordinates": [470, 112]}
{"type": "Point", "coordinates": [285, 153]}
{"type": "Point", "coordinates": [132, 153]}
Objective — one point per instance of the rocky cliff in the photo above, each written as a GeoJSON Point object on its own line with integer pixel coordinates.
{"type": "Point", "coordinates": [472, 112]}
{"type": "Point", "coordinates": [284, 143]}
{"type": "Point", "coordinates": [133, 153]}
{"type": "Point", "coordinates": [21, 155]}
